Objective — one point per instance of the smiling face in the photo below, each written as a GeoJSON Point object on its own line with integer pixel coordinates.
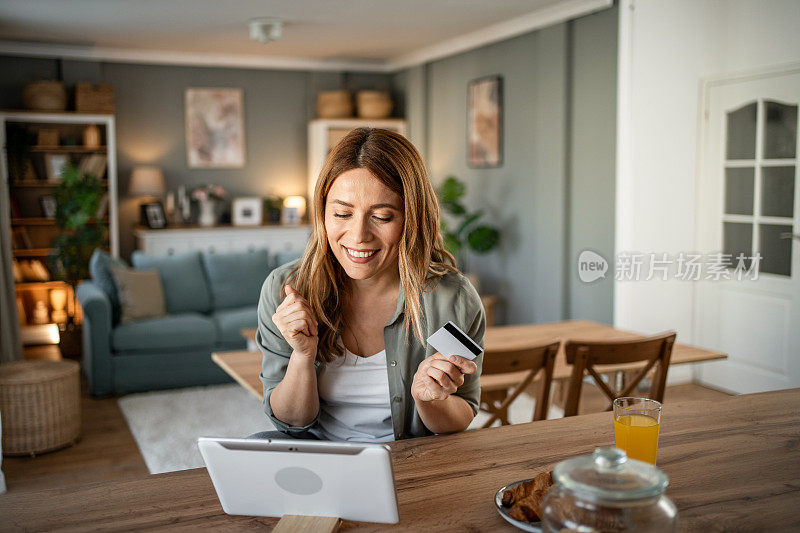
{"type": "Point", "coordinates": [364, 223]}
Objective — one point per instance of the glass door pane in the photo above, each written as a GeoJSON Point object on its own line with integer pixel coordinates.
{"type": "Point", "coordinates": [742, 133]}
{"type": "Point", "coordinates": [737, 237]}
{"type": "Point", "coordinates": [780, 130]}
{"type": "Point", "coordinates": [739, 190]}
{"type": "Point", "coordinates": [777, 191]}
{"type": "Point", "coordinates": [776, 252]}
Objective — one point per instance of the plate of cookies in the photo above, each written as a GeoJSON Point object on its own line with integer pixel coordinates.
{"type": "Point", "coordinates": [520, 503]}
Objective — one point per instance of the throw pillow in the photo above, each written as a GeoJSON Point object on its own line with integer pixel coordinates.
{"type": "Point", "coordinates": [185, 285]}
{"type": "Point", "coordinates": [100, 269]}
{"type": "Point", "coordinates": [140, 293]}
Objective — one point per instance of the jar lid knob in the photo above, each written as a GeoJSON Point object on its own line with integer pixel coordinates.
{"type": "Point", "coordinates": [609, 458]}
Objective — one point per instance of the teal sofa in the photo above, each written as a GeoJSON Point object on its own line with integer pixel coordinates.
{"type": "Point", "coordinates": [209, 298]}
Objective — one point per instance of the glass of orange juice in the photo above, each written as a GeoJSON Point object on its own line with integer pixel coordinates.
{"type": "Point", "coordinates": [636, 423]}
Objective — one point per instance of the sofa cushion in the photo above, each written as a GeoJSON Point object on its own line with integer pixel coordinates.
{"type": "Point", "coordinates": [100, 269]}
{"type": "Point", "coordinates": [185, 285]}
{"type": "Point", "coordinates": [230, 322]}
{"type": "Point", "coordinates": [172, 332]}
{"type": "Point", "coordinates": [235, 279]}
{"type": "Point", "coordinates": [281, 258]}
{"type": "Point", "coordinates": [141, 295]}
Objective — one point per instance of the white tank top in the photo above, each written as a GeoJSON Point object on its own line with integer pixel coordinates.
{"type": "Point", "coordinates": [354, 399]}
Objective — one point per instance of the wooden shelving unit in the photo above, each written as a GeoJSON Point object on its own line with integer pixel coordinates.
{"type": "Point", "coordinates": [68, 150]}
{"type": "Point", "coordinates": [32, 252]}
{"type": "Point", "coordinates": [26, 180]}
{"type": "Point", "coordinates": [33, 221]}
{"type": "Point", "coordinates": [36, 285]}
{"type": "Point", "coordinates": [41, 184]}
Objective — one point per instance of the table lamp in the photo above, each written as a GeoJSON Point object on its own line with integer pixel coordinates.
{"type": "Point", "coordinates": [146, 181]}
{"type": "Point", "coordinates": [294, 209]}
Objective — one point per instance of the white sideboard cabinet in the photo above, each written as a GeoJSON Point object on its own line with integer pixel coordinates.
{"type": "Point", "coordinates": [223, 239]}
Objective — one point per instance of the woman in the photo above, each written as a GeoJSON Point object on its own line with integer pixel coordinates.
{"type": "Point", "coordinates": [342, 330]}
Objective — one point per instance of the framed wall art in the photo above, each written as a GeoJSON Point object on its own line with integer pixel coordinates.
{"type": "Point", "coordinates": [485, 122]}
{"type": "Point", "coordinates": [214, 128]}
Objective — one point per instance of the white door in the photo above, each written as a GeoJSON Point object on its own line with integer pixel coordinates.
{"type": "Point", "coordinates": [749, 204]}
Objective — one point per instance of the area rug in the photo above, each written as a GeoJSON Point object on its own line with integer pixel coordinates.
{"type": "Point", "coordinates": [166, 424]}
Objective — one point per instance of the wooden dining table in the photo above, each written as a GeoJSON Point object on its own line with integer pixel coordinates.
{"type": "Point", "coordinates": [245, 366]}
{"type": "Point", "coordinates": [733, 466]}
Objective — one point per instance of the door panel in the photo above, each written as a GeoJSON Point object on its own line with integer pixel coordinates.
{"type": "Point", "coordinates": [748, 204]}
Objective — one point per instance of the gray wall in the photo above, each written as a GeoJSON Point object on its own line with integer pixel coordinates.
{"type": "Point", "coordinates": [150, 121]}
{"type": "Point", "coordinates": [553, 197]}
{"type": "Point", "coordinates": [592, 160]}
{"type": "Point", "coordinates": [554, 194]}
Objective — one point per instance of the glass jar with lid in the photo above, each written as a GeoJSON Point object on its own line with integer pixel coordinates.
{"type": "Point", "coordinates": [608, 492]}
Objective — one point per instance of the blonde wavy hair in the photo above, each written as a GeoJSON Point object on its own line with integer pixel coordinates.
{"type": "Point", "coordinates": [422, 257]}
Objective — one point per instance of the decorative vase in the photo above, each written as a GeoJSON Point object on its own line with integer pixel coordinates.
{"type": "Point", "coordinates": [91, 136]}
{"type": "Point", "coordinates": [208, 213]}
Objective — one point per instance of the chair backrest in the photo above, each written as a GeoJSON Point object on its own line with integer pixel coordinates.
{"type": "Point", "coordinates": [533, 358]}
{"type": "Point", "coordinates": [584, 355]}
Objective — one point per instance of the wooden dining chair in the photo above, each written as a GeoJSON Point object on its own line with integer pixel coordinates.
{"type": "Point", "coordinates": [584, 355]}
{"type": "Point", "coordinates": [536, 358]}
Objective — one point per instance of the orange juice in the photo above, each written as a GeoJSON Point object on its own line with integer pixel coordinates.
{"type": "Point", "coordinates": [638, 436]}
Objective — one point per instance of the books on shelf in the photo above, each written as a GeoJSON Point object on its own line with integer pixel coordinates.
{"type": "Point", "coordinates": [30, 270]}
{"type": "Point", "coordinates": [94, 164]}
{"type": "Point", "coordinates": [20, 239]}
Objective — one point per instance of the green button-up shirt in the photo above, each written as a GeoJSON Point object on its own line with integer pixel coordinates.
{"type": "Point", "coordinates": [453, 298]}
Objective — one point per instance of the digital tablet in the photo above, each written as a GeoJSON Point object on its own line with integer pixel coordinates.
{"type": "Point", "coordinates": [254, 477]}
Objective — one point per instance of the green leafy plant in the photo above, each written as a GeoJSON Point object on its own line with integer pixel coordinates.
{"type": "Point", "coordinates": [272, 207]}
{"type": "Point", "coordinates": [479, 238]}
{"type": "Point", "coordinates": [78, 199]}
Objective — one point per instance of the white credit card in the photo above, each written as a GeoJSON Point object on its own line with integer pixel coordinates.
{"type": "Point", "coordinates": [450, 340]}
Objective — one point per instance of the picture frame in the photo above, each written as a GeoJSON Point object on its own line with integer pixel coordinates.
{"type": "Point", "coordinates": [54, 165]}
{"type": "Point", "coordinates": [485, 122]}
{"type": "Point", "coordinates": [49, 206]}
{"type": "Point", "coordinates": [247, 211]}
{"type": "Point", "coordinates": [153, 215]}
{"type": "Point", "coordinates": [214, 118]}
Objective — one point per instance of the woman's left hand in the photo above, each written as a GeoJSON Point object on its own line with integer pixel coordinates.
{"type": "Point", "coordinates": [438, 377]}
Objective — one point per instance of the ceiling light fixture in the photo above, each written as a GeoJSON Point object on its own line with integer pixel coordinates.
{"type": "Point", "coordinates": [265, 29]}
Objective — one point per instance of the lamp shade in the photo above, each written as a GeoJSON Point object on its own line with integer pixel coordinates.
{"type": "Point", "coordinates": [146, 181]}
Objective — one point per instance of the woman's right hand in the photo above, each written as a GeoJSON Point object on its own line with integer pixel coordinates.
{"type": "Point", "coordinates": [297, 323]}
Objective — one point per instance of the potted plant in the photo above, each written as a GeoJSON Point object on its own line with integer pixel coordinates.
{"type": "Point", "coordinates": [77, 202]}
{"type": "Point", "coordinates": [272, 207]}
{"type": "Point", "coordinates": [468, 234]}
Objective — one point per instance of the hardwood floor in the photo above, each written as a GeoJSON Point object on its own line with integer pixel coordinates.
{"type": "Point", "coordinates": [108, 451]}
{"type": "Point", "coordinates": [105, 451]}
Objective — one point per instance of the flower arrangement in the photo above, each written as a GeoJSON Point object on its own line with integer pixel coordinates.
{"type": "Point", "coordinates": [208, 192]}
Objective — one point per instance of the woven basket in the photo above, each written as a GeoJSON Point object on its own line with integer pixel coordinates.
{"type": "Point", "coordinates": [334, 104]}
{"type": "Point", "coordinates": [45, 95]}
{"type": "Point", "coordinates": [40, 405]}
{"type": "Point", "coordinates": [373, 104]}
{"type": "Point", "coordinates": [91, 99]}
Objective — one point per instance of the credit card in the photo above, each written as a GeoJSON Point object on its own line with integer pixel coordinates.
{"type": "Point", "coordinates": [450, 340]}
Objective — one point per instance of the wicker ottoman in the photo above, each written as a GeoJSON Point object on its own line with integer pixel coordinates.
{"type": "Point", "coordinates": [40, 402]}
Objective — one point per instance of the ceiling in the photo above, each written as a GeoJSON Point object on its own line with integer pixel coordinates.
{"type": "Point", "coordinates": [360, 34]}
